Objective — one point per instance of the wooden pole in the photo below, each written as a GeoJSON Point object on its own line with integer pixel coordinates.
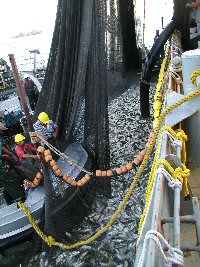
{"type": "Point", "coordinates": [22, 93]}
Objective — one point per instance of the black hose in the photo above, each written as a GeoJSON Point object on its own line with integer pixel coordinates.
{"type": "Point", "coordinates": [148, 66]}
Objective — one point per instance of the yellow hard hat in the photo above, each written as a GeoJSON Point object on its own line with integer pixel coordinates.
{"type": "Point", "coordinates": [19, 138]}
{"type": "Point", "coordinates": [43, 117]}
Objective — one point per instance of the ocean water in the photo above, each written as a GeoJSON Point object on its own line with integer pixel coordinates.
{"type": "Point", "coordinates": [21, 47]}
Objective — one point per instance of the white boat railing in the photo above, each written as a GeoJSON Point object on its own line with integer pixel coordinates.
{"type": "Point", "coordinates": [161, 227]}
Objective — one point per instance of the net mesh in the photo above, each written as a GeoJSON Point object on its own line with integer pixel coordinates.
{"type": "Point", "coordinates": [93, 48]}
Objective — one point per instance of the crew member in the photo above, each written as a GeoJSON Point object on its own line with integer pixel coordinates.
{"type": "Point", "coordinates": [156, 36]}
{"type": "Point", "coordinates": [24, 151]}
{"type": "Point", "coordinates": [12, 176]}
{"type": "Point", "coordinates": [46, 128]}
{"type": "Point", "coordinates": [31, 91]}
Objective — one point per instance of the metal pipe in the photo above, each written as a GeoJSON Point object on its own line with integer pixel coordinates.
{"type": "Point", "coordinates": [190, 248]}
{"type": "Point", "coordinates": [22, 93]}
{"type": "Point", "coordinates": [195, 204]}
{"type": "Point", "coordinates": [155, 225]}
{"type": "Point", "coordinates": [183, 219]}
{"type": "Point", "coordinates": [156, 214]}
{"type": "Point", "coordinates": [186, 248]}
{"type": "Point", "coordinates": [176, 228]}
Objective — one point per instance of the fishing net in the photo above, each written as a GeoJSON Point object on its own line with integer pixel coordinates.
{"type": "Point", "coordinates": [92, 54]}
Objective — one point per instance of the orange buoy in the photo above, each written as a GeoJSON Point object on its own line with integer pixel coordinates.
{"type": "Point", "coordinates": [69, 180]}
{"type": "Point", "coordinates": [151, 134]}
{"type": "Point", "coordinates": [87, 177]}
{"type": "Point", "coordinates": [80, 183]}
{"type": "Point", "coordinates": [47, 152]}
{"type": "Point", "coordinates": [66, 178]}
{"type": "Point", "coordinates": [147, 145]}
{"type": "Point", "coordinates": [104, 173]}
{"type": "Point", "coordinates": [98, 173]}
{"type": "Point", "coordinates": [109, 173]}
{"type": "Point", "coordinates": [52, 163]}
{"type": "Point", "coordinates": [73, 183]}
{"type": "Point", "coordinates": [40, 149]}
{"type": "Point", "coordinates": [37, 179]}
{"type": "Point", "coordinates": [84, 180]}
{"type": "Point", "coordinates": [36, 182]}
{"type": "Point", "coordinates": [39, 175]}
{"type": "Point", "coordinates": [48, 158]}
{"type": "Point", "coordinates": [143, 152]}
{"type": "Point", "coordinates": [140, 157]}
{"type": "Point", "coordinates": [119, 171]}
{"type": "Point", "coordinates": [58, 172]}
{"type": "Point", "coordinates": [124, 169]}
{"type": "Point", "coordinates": [136, 161]}
{"type": "Point", "coordinates": [129, 166]}
{"type": "Point", "coordinates": [55, 167]}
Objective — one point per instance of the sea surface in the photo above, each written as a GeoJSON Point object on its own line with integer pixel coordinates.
{"type": "Point", "coordinates": [21, 48]}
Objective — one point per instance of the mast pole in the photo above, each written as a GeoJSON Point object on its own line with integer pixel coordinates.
{"type": "Point", "coordinates": [22, 93]}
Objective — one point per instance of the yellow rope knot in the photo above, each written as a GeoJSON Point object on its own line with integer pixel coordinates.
{"type": "Point", "coordinates": [186, 182]}
{"type": "Point", "coordinates": [194, 76]}
{"type": "Point", "coordinates": [182, 175]}
{"type": "Point", "coordinates": [182, 136]}
{"type": "Point", "coordinates": [178, 174]}
{"type": "Point", "coordinates": [50, 240]}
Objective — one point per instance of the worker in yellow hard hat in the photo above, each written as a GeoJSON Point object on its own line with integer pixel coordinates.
{"type": "Point", "coordinates": [46, 127]}
{"type": "Point", "coordinates": [24, 151]}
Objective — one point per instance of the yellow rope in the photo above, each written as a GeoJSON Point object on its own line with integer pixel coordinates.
{"type": "Point", "coordinates": [160, 85]}
{"type": "Point", "coordinates": [50, 241]}
{"type": "Point", "coordinates": [180, 135]}
{"type": "Point", "coordinates": [180, 174]}
{"type": "Point", "coordinates": [194, 76]}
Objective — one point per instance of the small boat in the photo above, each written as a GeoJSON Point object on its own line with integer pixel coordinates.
{"type": "Point", "coordinates": [15, 227]}
{"type": "Point", "coordinates": [14, 224]}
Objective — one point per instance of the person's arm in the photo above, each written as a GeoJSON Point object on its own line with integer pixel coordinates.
{"type": "Point", "coordinates": [25, 86]}
{"type": "Point", "coordinates": [56, 133]}
{"type": "Point", "coordinates": [33, 149]}
{"type": "Point", "coordinates": [28, 156]}
{"type": "Point", "coordinates": [5, 157]}
{"type": "Point", "coordinates": [6, 151]}
{"type": "Point", "coordinates": [20, 153]}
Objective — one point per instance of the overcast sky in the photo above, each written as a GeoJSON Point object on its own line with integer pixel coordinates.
{"type": "Point", "coordinates": [26, 15]}
{"type": "Point", "coordinates": [154, 11]}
